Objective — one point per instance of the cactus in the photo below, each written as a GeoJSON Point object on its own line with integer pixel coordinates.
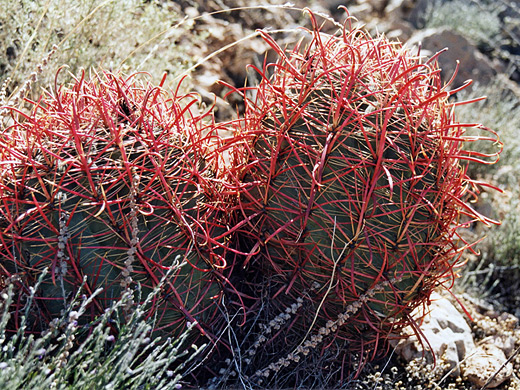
{"type": "Point", "coordinates": [106, 180]}
{"type": "Point", "coordinates": [345, 181]}
{"type": "Point", "coordinates": [357, 184]}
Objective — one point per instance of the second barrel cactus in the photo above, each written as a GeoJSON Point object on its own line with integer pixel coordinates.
{"type": "Point", "coordinates": [357, 187]}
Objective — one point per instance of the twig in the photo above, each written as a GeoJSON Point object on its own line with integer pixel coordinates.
{"type": "Point", "coordinates": [500, 368]}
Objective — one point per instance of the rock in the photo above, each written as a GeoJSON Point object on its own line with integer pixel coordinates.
{"type": "Point", "coordinates": [473, 64]}
{"type": "Point", "coordinates": [446, 332]}
{"type": "Point", "coordinates": [505, 342]}
{"type": "Point", "coordinates": [484, 363]}
{"type": "Point", "coordinates": [421, 7]}
{"type": "Point", "coordinates": [398, 9]}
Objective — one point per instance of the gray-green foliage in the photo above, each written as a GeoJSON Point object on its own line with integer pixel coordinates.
{"type": "Point", "coordinates": [477, 20]}
{"type": "Point", "coordinates": [499, 112]}
{"type": "Point", "coordinates": [129, 35]}
{"type": "Point", "coordinates": [71, 357]}
{"type": "Point", "coordinates": [500, 251]}
{"type": "Point", "coordinates": [506, 239]}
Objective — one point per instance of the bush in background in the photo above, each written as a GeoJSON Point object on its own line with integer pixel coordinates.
{"type": "Point", "coordinates": [497, 271]}
{"type": "Point", "coordinates": [115, 35]}
{"type": "Point", "coordinates": [477, 21]}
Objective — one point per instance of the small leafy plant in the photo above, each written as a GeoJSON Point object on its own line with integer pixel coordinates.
{"type": "Point", "coordinates": [116, 351]}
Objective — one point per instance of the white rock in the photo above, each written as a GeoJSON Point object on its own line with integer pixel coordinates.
{"type": "Point", "coordinates": [505, 342]}
{"type": "Point", "coordinates": [484, 363]}
{"type": "Point", "coordinates": [446, 332]}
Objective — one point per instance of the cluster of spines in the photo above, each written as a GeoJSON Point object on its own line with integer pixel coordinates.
{"type": "Point", "coordinates": [348, 114]}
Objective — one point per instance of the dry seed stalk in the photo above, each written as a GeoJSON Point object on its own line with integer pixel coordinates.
{"type": "Point", "coordinates": [14, 101]}
{"type": "Point", "coordinates": [331, 326]}
{"type": "Point", "coordinates": [250, 353]}
{"type": "Point", "coordinates": [275, 324]}
{"type": "Point", "coordinates": [128, 269]}
{"type": "Point", "coordinates": [3, 91]}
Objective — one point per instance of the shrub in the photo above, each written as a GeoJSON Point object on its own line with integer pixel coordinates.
{"type": "Point", "coordinates": [122, 36]}
{"type": "Point", "coordinates": [496, 271]}
{"type": "Point", "coordinates": [496, 110]}
{"type": "Point", "coordinates": [116, 351]}
{"type": "Point", "coordinates": [478, 21]}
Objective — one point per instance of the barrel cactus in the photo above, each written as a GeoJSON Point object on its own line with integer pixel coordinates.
{"type": "Point", "coordinates": [357, 189]}
{"type": "Point", "coordinates": [106, 181]}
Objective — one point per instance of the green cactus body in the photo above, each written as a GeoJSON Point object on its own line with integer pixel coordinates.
{"type": "Point", "coordinates": [355, 180]}
{"type": "Point", "coordinates": [106, 180]}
